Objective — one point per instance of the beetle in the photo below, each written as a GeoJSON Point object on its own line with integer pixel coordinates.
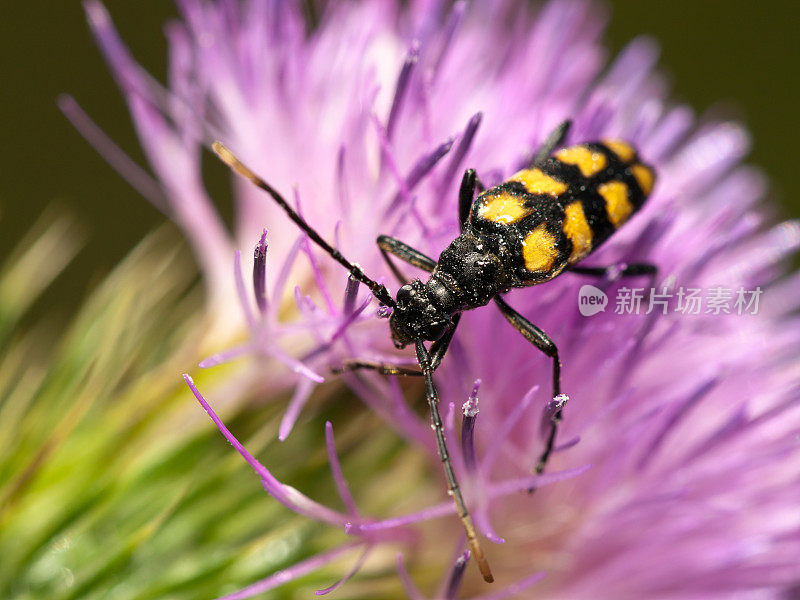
{"type": "Point", "coordinates": [528, 230]}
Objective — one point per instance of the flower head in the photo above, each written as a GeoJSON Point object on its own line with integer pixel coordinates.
{"type": "Point", "coordinates": [365, 123]}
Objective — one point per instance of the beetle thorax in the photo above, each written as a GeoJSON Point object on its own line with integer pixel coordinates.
{"type": "Point", "coordinates": [472, 270]}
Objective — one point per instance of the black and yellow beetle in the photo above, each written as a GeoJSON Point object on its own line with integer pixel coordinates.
{"type": "Point", "coordinates": [542, 221]}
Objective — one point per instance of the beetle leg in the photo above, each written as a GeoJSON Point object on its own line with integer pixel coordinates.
{"type": "Point", "coordinates": [389, 245]}
{"type": "Point", "coordinates": [542, 341]}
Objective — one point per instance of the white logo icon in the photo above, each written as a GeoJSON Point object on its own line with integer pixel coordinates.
{"type": "Point", "coordinates": [591, 300]}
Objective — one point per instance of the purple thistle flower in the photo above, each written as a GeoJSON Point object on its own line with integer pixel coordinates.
{"type": "Point", "coordinates": [689, 420]}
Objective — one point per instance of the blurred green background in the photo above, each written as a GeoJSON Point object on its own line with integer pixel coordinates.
{"type": "Point", "coordinates": [740, 53]}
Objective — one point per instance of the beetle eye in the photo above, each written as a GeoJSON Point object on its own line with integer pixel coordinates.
{"type": "Point", "coordinates": [404, 295]}
{"type": "Point", "coordinates": [435, 331]}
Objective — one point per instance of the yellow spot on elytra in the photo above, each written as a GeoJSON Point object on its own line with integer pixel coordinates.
{"type": "Point", "coordinates": [623, 150]}
{"type": "Point", "coordinates": [503, 208]}
{"type": "Point", "coordinates": [537, 182]}
{"type": "Point", "coordinates": [586, 160]}
{"type": "Point", "coordinates": [577, 229]}
{"type": "Point", "coordinates": [618, 206]}
{"type": "Point", "coordinates": [644, 177]}
{"type": "Point", "coordinates": [539, 249]}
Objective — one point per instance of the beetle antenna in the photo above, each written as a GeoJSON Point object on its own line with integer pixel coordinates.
{"type": "Point", "coordinates": [377, 289]}
{"type": "Point", "coordinates": [432, 395]}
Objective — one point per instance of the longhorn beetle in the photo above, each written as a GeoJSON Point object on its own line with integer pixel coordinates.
{"type": "Point", "coordinates": [523, 232]}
